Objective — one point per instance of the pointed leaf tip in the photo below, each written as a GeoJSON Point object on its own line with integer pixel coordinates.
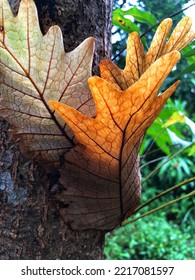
{"type": "Point", "coordinates": [100, 169]}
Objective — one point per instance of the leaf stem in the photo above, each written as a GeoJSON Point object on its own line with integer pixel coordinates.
{"type": "Point", "coordinates": [160, 165]}
{"type": "Point", "coordinates": [158, 208]}
{"type": "Point", "coordinates": [171, 16]}
{"type": "Point", "coordinates": [165, 192]}
{"type": "Point", "coordinates": [152, 161]}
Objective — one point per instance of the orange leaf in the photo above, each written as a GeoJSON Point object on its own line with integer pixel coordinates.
{"type": "Point", "coordinates": [137, 62]}
{"type": "Point", "coordinates": [104, 165]}
{"type": "Point", "coordinates": [100, 171]}
{"type": "Point", "coordinates": [106, 143]}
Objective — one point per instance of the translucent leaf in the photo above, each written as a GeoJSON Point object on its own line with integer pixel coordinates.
{"type": "Point", "coordinates": [106, 157]}
{"type": "Point", "coordinates": [120, 19]}
{"type": "Point", "coordinates": [175, 118]}
{"type": "Point", "coordinates": [34, 69]}
{"type": "Point", "coordinates": [97, 154]}
{"type": "Point", "coordinates": [144, 17]}
{"type": "Point", "coordinates": [126, 24]}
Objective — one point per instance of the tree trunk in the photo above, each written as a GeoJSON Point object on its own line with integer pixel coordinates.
{"type": "Point", "coordinates": [30, 224]}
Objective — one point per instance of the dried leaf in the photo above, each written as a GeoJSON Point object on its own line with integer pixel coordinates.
{"type": "Point", "coordinates": [103, 168]}
{"type": "Point", "coordinates": [99, 168]}
{"type": "Point", "coordinates": [105, 145]}
{"type": "Point", "coordinates": [34, 69]}
{"type": "Point", "coordinates": [137, 62]}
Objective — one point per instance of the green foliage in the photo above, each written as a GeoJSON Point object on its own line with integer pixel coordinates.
{"type": "Point", "coordinates": [169, 234]}
{"type": "Point", "coordinates": [159, 10]}
{"type": "Point", "coordinates": [150, 238]}
{"type": "Point", "coordinates": [172, 131]}
{"type": "Point", "coordinates": [189, 53]}
{"type": "Point", "coordinates": [189, 69]}
{"type": "Point", "coordinates": [178, 168]}
{"type": "Point", "coordinates": [119, 19]}
{"type": "Point", "coordinates": [162, 9]}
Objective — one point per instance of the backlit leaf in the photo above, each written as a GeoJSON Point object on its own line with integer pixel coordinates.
{"type": "Point", "coordinates": [174, 118]}
{"type": "Point", "coordinates": [119, 18]}
{"type": "Point", "coordinates": [126, 24]}
{"type": "Point", "coordinates": [106, 157]}
{"type": "Point", "coordinates": [97, 154]}
{"type": "Point", "coordinates": [108, 146]}
{"type": "Point", "coordinates": [34, 69]}
{"type": "Point", "coordinates": [137, 62]}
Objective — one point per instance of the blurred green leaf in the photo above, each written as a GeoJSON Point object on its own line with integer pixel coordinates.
{"type": "Point", "coordinates": [189, 69]}
{"type": "Point", "coordinates": [150, 238]}
{"type": "Point", "coordinates": [191, 151]}
{"type": "Point", "coordinates": [189, 53]}
{"type": "Point", "coordinates": [140, 16]}
{"type": "Point", "coordinates": [127, 25]}
{"type": "Point", "coordinates": [191, 124]}
{"type": "Point", "coordinates": [166, 130]}
{"type": "Point", "coordinates": [175, 140]}
{"type": "Point", "coordinates": [174, 118]}
{"type": "Point", "coordinates": [160, 136]}
{"type": "Point", "coordinates": [119, 18]}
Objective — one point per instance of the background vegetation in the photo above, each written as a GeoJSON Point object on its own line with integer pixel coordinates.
{"type": "Point", "coordinates": [168, 150]}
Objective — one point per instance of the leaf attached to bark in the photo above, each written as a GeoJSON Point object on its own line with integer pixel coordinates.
{"type": "Point", "coordinates": [97, 156]}
{"type": "Point", "coordinates": [106, 156]}
{"type": "Point", "coordinates": [34, 69]}
{"type": "Point", "coordinates": [108, 144]}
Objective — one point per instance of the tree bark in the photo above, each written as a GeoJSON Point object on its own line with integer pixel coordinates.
{"type": "Point", "coordinates": [30, 224]}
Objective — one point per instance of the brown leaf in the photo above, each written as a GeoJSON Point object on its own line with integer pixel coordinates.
{"type": "Point", "coordinates": [137, 62]}
{"type": "Point", "coordinates": [105, 170]}
{"type": "Point", "coordinates": [34, 69]}
{"type": "Point", "coordinates": [100, 170]}
{"type": "Point", "coordinates": [103, 167]}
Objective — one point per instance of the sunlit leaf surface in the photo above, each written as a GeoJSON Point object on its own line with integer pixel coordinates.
{"type": "Point", "coordinates": [94, 139]}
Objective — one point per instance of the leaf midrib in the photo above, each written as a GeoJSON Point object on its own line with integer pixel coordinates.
{"type": "Point", "coordinates": [27, 75]}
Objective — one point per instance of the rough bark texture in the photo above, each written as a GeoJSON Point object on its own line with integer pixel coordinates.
{"type": "Point", "coordinates": [78, 20]}
{"type": "Point", "coordinates": [30, 225]}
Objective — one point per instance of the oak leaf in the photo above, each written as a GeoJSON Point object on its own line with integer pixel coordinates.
{"type": "Point", "coordinates": [137, 62]}
{"type": "Point", "coordinates": [106, 143]}
{"type": "Point", "coordinates": [103, 166]}
{"type": "Point", "coordinates": [99, 168]}
{"type": "Point", "coordinates": [34, 69]}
